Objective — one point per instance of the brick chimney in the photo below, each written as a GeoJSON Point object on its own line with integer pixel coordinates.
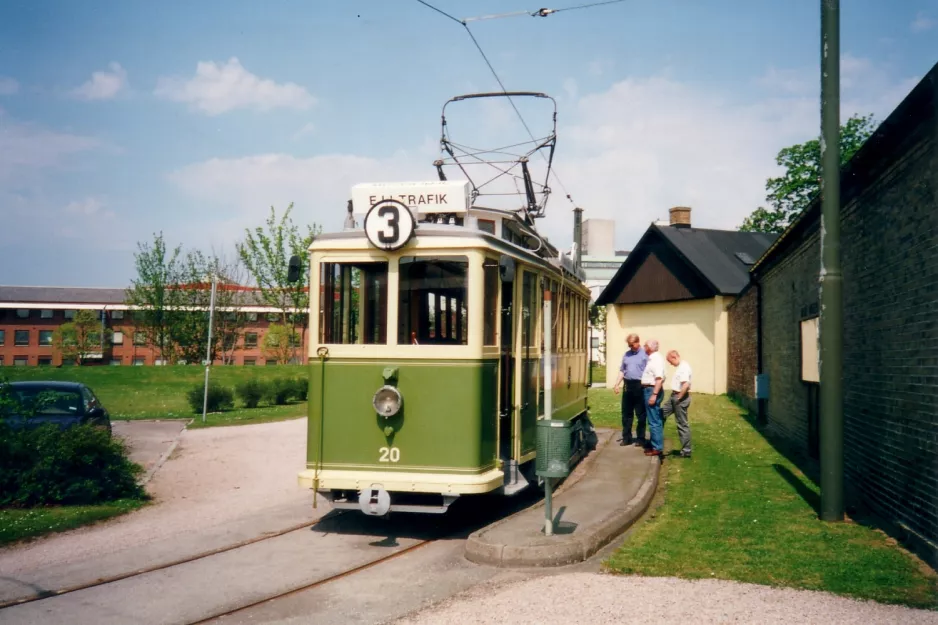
{"type": "Point", "coordinates": [680, 216]}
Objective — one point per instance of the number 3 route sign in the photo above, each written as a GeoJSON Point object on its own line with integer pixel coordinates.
{"type": "Point", "coordinates": [389, 224]}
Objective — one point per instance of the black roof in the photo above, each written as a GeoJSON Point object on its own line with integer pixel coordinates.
{"type": "Point", "coordinates": [61, 295]}
{"type": "Point", "coordinates": [64, 295]}
{"type": "Point", "coordinates": [719, 254]}
{"type": "Point", "coordinates": [721, 257]}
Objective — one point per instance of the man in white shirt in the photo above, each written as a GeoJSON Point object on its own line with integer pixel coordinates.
{"type": "Point", "coordinates": [679, 401]}
{"type": "Point", "coordinates": [652, 386]}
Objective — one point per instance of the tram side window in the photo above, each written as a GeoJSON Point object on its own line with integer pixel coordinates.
{"type": "Point", "coordinates": [433, 301]}
{"type": "Point", "coordinates": [490, 274]}
{"type": "Point", "coordinates": [354, 303]}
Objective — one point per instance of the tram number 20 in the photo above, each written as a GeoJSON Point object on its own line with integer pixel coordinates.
{"type": "Point", "coordinates": [389, 454]}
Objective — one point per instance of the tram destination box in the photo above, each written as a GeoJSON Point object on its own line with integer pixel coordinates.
{"type": "Point", "coordinates": [437, 196]}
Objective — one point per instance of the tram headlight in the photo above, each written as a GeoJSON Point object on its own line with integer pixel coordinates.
{"type": "Point", "coordinates": [387, 401]}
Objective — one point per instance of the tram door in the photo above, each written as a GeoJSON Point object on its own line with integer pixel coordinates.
{"type": "Point", "coordinates": [506, 372]}
{"type": "Point", "coordinates": [530, 309]}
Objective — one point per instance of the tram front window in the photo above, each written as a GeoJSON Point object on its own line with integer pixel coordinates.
{"type": "Point", "coordinates": [433, 301]}
{"type": "Point", "coordinates": [354, 303]}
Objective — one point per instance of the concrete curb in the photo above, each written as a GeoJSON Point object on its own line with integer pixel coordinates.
{"type": "Point", "coordinates": [572, 550]}
{"type": "Point", "coordinates": [159, 463]}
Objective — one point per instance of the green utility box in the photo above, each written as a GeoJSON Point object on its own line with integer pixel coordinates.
{"type": "Point", "coordinates": [553, 448]}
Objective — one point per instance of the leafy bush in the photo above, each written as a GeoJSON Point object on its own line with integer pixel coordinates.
{"type": "Point", "coordinates": [300, 388]}
{"type": "Point", "coordinates": [219, 398]}
{"type": "Point", "coordinates": [279, 391]}
{"type": "Point", "coordinates": [78, 466]}
{"type": "Point", "coordinates": [251, 392]}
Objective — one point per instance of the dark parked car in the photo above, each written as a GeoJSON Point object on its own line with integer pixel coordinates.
{"type": "Point", "coordinates": [65, 404]}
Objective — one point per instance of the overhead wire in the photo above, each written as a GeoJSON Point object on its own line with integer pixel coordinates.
{"type": "Point", "coordinates": [498, 79]}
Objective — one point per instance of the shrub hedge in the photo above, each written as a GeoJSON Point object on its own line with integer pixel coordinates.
{"type": "Point", "coordinates": [78, 466]}
{"type": "Point", "coordinates": [251, 392]}
{"type": "Point", "coordinates": [219, 398]}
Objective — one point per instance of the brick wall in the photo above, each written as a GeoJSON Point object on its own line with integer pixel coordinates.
{"type": "Point", "coordinates": [890, 269]}
{"type": "Point", "coordinates": [742, 348]}
{"type": "Point", "coordinates": [890, 262]}
{"type": "Point", "coordinates": [789, 294]}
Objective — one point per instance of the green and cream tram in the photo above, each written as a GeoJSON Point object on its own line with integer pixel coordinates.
{"type": "Point", "coordinates": [425, 351]}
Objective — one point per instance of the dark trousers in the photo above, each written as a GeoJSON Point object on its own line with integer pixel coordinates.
{"type": "Point", "coordinates": [633, 401]}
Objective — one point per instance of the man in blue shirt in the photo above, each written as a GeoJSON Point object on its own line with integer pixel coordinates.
{"type": "Point", "coordinates": [633, 401]}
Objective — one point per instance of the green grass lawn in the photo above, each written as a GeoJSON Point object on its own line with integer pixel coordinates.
{"type": "Point", "coordinates": [160, 392]}
{"type": "Point", "coordinates": [739, 510]}
{"type": "Point", "coordinates": [16, 524]}
{"type": "Point", "coordinates": [599, 374]}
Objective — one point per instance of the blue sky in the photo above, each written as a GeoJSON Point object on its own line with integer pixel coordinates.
{"type": "Point", "coordinates": [118, 119]}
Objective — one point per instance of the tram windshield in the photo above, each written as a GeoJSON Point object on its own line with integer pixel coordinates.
{"type": "Point", "coordinates": [432, 301]}
{"type": "Point", "coordinates": [353, 303]}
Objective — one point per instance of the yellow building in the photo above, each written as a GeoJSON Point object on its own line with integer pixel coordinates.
{"type": "Point", "coordinates": [675, 287]}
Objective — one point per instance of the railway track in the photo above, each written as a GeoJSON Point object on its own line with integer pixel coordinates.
{"type": "Point", "coordinates": [152, 569]}
{"type": "Point", "coordinates": [219, 610]}
{"type": "Point", "coordinates": [315, 584]}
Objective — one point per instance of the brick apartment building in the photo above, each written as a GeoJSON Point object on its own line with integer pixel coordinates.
{"type": "Point", "coordinates": [29, 316]}
{"type": "Point", "coordinates": [889, 247]}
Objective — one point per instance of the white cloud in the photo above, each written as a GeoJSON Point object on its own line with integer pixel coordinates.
{"type": "Point", "coordinates": [319, 186]}
{"type": "Point", "coordinates": [307, 129]}
{"type": "Point", "coordinates": [922, 23]}
{"type": "Point", "coordinates": [87, 206]}
{"type": "Point", "coordinates": [8, 86]}
{"type": "Point", "coordinates": [103, 85]}
{"type": "Point", "coordinates": [866, 86]}
{"type": "Point", "coordinates": [628, 153]}
{"type": "Point", "coordinates": [27, 146]}
{"type": "Point", "coordinates": [599, 67]}
{"type": "Point", "coordinates": [645, 145]}
{"type": "Point", "coordinates": [789, 81]}
{"type": "Point", "coordinates": [218, 88]}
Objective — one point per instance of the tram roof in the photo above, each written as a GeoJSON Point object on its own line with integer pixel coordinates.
{"type": "Point", "coordinates": [548, 256]}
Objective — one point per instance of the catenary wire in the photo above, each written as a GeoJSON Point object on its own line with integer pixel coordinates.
{"type": "Point", "coordinates": [498, 79]}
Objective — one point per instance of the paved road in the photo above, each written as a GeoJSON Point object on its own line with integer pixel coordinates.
{"type": "Point", "coordinates": [149, 442]}
{"type": "Point", "coordinates": [221, 486]}
{"type": "Point", "coordinates": [343, 541]}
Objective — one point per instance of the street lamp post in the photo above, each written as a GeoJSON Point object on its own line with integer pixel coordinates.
{"type": "Point", "coordinates": [208, 347]}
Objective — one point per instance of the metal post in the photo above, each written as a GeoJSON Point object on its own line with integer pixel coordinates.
{"type": "Point", "coordinates": [208, 347]}
{"type": "Point", "coordinates": [831, 277]}
{"type": "Point", "coordinates": [103, 318]}
{"type": "Point", "coordinates": [578, 236]}
{"type": "Point", "coordinates": [548, 408]}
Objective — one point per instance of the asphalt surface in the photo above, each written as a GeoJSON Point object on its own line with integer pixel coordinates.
{"type": "Point", "coordinates": [149, 442]}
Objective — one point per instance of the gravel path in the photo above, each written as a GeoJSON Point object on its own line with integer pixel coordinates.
{"type": "Point", "coordinates": [597, 598]}
{"type": "Point", "coordinates": [214, 477]}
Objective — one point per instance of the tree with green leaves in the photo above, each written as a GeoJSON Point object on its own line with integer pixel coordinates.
{"type": "Point", "coordinates": [230, 320]}
{"type": "Point", "coordinates": [155, 297]}
{"type": "Point", "coordinates": [76, 340]}
{"type": "Point", "coordinates": [191, 333]}
{"type": "Point", "coordinates": [789, 194]}
{"type": "Point", "coordinates": [280, 343]}
{"type": "Point", "coordinates": [266, 255]}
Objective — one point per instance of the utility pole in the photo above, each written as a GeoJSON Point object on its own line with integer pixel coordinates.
{"type": "Point", "coordinates": [830, 281]}
{"type": "Point", "coordinates": [208, 347]}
